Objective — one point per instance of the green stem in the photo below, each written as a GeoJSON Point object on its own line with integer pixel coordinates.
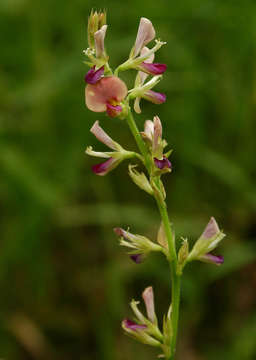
{"type": "Point", "coordinates": [141, 145]}
{"type": "Point", "coordinates": [175, 279]}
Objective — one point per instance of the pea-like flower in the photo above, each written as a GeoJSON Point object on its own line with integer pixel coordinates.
{"type": "Point", "coordinates": [207, 242]}
{"type": "Point", "coordinates": [114, 157]}
{"type": "Point", "coordinates": [139, 245]}
{"type": "Point", "coordinates": [145, 91]}
{"type": "Point", "coordinates": [106, 95]}
{"type": "Point", "coordinates": [152, 135]}
{"type": "Point", "coordinates": [144, 329]}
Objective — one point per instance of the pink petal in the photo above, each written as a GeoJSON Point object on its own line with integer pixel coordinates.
{"type": "Point", "coordinates": [148, 297]}
{"type": "Point", "coordinates": [146, 33]}
{"type": "Point", "coordinates": [211, 230]}
{"type": "Point", "coordinates": [157, 135]}
{"type": "Point", "coordinates": [99, 37]}
{"type": "Point", "coordinates": [102, 136]}
{"type": "Point", "coordinates": [107, 89]}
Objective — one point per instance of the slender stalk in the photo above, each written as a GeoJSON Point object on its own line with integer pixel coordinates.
{"type": "Point", "coordinates": [175, 279]}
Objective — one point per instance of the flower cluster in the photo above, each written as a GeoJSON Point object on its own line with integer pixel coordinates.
{"type": "Point", "coordinates": [105, 91]}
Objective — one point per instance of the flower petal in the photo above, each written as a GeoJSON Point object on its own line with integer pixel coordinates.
{"type": "Point", "coordinates": [109, 88]}
{"type": "Point", "coordinates": [211, 230]}
{"type": "Point", "coordinates": [105, 167]}
{"type": "Point", "coordinates": [100, 134]}
{"type": "Point", "coordinates": [162, 164]}
{"type": "Point", "coordinates": [99, 37]}
{"type": "Point", "coordinates": [157, 146]}
{"type": "Point", "coordinates": [212, 259]}
{"type": "Point", "coordinates": [94, 75]}
{"type": "Point", "coordinates": [141, 74]}
{"type": "Point", "coordinates": [154, 97]}
{"type": "Point", "coordinates": [129, 324]}
{"type": "Point", "coordinates": [114, 110]}
{"type": "Point", "coordinates": [153, 69]}
{"type": "Point", "coordinates": [148, 297]}
{"type": "Point", "coordinates": [146, 33]}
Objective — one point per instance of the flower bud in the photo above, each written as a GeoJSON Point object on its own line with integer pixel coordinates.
{"type": "Point", "coordinates": [140, 179]}
{"type": "Point", "coordinates": [137, 243]}
{"type": "Point", "coordinates": [182, 256]}
{"type": "Point", "coordinates": [95, 22]}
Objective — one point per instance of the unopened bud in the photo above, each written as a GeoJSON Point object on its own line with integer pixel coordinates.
{"type": "Point", "coordinates": [140, 179]}
{"type": "Point", "coordinates": [182, 256]}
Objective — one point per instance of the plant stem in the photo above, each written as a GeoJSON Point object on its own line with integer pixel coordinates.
{"type": "Point", "coordinates": [175, 279]}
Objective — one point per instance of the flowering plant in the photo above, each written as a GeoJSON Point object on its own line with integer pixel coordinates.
{"type": "Point", "coordinates": [106, 92]}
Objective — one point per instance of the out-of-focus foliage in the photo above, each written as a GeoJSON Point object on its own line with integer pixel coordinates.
{"type": "Point", "coordinates": [64, 282]}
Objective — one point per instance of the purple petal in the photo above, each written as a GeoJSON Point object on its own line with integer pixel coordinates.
{"type": "Point", "coordinates": [212, 259]}
{"type": "Point", "coordinates": [129, 324]}
{"type": "Point", "coordinates": [94, 75]}
{"type": "Point", "coordinates": [113, 110]}
{"type": "Point", "coordinates": [163, 164]}
{"type": "Point", "coordinates": [154, 97]}
{"type": "Point", "coordinates": [100, 134]}
{"type": "Point", "coordinates": [137, 258]}
{"type": "Point", "coordinates": [103, 168]}
{"type": "Point", "coordinates": [153, 69]}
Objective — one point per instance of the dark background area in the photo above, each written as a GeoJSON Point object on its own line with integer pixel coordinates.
{"type": "Point", "coordinates": [65, 284]}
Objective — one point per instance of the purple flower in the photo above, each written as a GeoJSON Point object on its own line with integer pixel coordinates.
{"type": "Point", "coordinates": [131, 325]}
{"type": "Point", "coordinates": [163, 164]}
{"type": "Point", "coordinates": [152, 69]}
{"type": "Point", "coordinates": [94, 75]}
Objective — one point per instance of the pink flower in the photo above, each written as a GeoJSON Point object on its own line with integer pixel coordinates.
{"type": "Point", "coordinates": [106, 95]}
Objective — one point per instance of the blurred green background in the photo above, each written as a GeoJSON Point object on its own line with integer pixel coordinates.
{"type": "Point", "coordinates": [65, 284]}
